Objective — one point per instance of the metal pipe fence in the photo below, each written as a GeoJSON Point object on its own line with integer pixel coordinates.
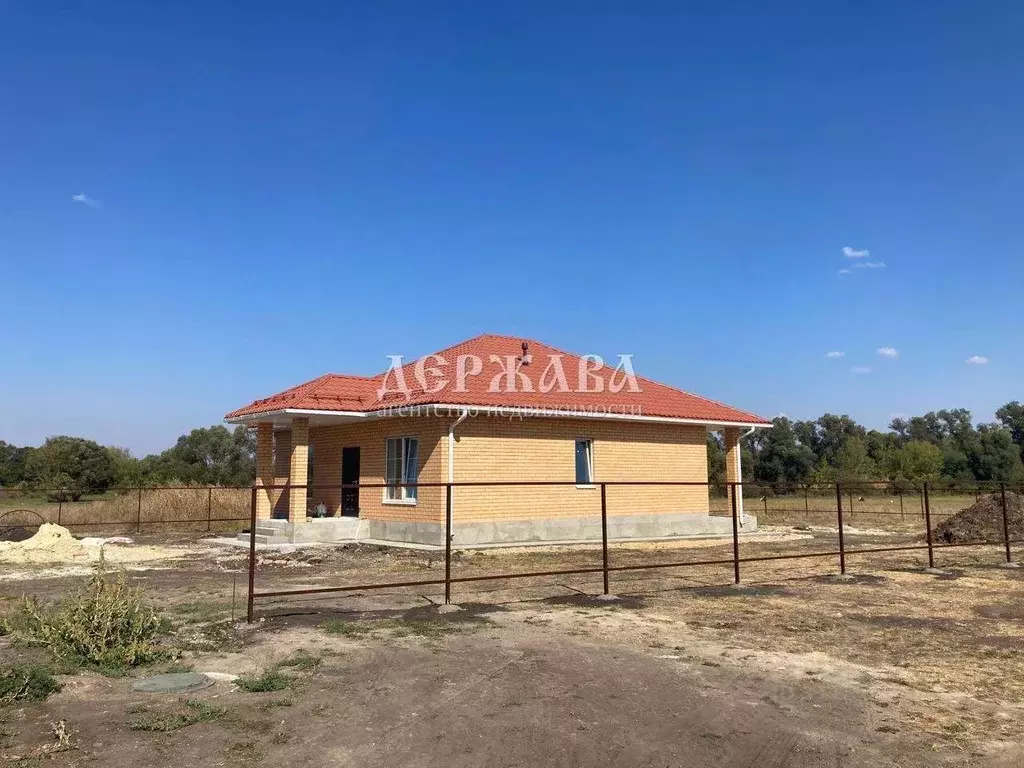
{"type": "Point", "coordinates": [732, 491]}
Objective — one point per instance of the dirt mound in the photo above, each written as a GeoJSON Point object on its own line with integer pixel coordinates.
{"type": "Point", "coordinates": [52, 539]}
{"type": "Point", "coordinates": [55, 544]}
{"type": "Point", "coordinates": [983, 521]}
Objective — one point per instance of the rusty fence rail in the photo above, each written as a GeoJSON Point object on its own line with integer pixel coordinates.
{"type": "Point", "coordinates": [841, 493]}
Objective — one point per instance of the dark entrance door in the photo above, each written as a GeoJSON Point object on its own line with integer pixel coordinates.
{"type": "Point", "coordinates": [350, 476]}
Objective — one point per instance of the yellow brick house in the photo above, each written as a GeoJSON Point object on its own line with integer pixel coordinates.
{"type": "Point", "coordinates": [351, 457]}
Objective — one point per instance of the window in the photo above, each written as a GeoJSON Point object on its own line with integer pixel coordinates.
{"type": "Point", "coordinates": [402, 467]}
{"type": "Point", "coordinates": [584, 462]}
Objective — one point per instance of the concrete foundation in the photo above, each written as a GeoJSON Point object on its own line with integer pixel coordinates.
{"type": "Point", "coordinates": [497, 533]}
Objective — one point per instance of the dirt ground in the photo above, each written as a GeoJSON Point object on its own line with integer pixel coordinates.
{"type": "Point", "coordinates": [894, 667]}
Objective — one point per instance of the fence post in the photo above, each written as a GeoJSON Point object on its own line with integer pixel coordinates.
{"type": "Point", "coordinates": [138, 514]}
{"type": "Point", "coordinates": [735, 536]}
{"type": "Point", "coordinates": [903, 517]}
{"type": "Point", "coordinates": [209, 509]}
{"type": "Point", "coordinates": [60, 505]}
{"type": "Point", "coordinates": [839, 517]}
{"type": "Point", "coordinates": [252, 557]}
{"type": "Point", "coordinates": [448, 544]}
{"type": "Point", "coordinates": [604, 537]}
{"type": "Point", "coordinates": [807, 508]}
{"type": "Point", "coordinates": [928, 524]}
{"type": "Point", "coordinates": [1006, 523]}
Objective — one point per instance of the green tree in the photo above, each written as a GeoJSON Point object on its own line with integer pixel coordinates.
{"type": "Point", "coordinates": [879, 444]}
{"type": "Point", "coordinates": [209, 456]}
{"type": "Point", "coordinates": [80, 466]}
{"type": "Point", "coordinates": [780, 456]}
{"type": "Point", "coordinates": [914, 462]}
{"type": "Point", "coordinates": [852, 463]}
{"type": "Point", "coordinates": [1012, 417]}
{"type": "Point", "coordinates": [997, 457]}
{"type": "Point", "coordinates": [13, 464]}
{"type": "Point", "coordinates": [128, 470]}
{"type": "Point", "coordinates": [826, 436]}
{"type": "Point", "coordinates": [955, 465]}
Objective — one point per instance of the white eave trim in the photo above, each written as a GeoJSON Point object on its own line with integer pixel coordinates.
{"type": "Point", "coordinates": [264, 415]}
{"type": "Point", "coordinates": [508, 411]}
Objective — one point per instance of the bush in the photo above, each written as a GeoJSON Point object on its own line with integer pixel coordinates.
{"type": "Point", "coordinates": [26, 682]}
{"type": "Point", "coordinates": [106, 625]}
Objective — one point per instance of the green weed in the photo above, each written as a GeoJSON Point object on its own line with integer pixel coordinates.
{"type": "Point", "coordinates": [181, 715]}
{"type": "Point", "coordinates": [106, 625]}
{"type": "Point", "coordinates": [429, 628]}
{"type": "Point", "coordinates": [26, 682]}
{"type": "Point", "coordinates": [270, 680]}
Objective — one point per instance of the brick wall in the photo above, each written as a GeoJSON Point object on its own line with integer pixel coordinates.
{"type": "Point", "coordinates": [370, 436]}
{"type": "Point", "coordinates": [493, 448]}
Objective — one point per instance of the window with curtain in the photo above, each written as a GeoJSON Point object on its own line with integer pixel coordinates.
{"type": "Point", "coordinates": [584, 462]}
{"type": "Point", "coordinates": [401, 466]}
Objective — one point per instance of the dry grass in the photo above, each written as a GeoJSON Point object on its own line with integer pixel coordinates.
{"type": "Point", "coordinates": [216, 509]}
{"type": "Point", "coordinates": [901, 513]}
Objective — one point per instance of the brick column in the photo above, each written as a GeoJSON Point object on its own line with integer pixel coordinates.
{"type": "Point", "coordinates": [298, 470]}
{"type": "Point", "coordinates": [264, 468]}
{"type": "Point", "coordinates": [282, 470]}
{"type": "Point", "coordinates": [732, 462]}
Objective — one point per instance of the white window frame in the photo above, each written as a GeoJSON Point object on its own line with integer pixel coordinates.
{"type": "Point", "coordinates": [406, 495]}
{"type": "Point", "coordinates": [589, 441]}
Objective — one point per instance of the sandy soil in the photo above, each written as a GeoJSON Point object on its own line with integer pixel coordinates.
{"type": "Point", "coordinates": [55, 546]}
{"type": "Point", "coordinates": [892, 668]}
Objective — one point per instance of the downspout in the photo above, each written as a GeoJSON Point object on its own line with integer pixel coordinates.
{"type": "Point", "coordinates": [451, 445]}
{"type": "Point", "coordinates": [739, 472]}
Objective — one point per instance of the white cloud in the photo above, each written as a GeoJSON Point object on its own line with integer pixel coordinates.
{"type": "Point", "coordinates": [861, 369]}
{"type": "Point", "coordinates": [845, 271]}
{"type": "Point", "coordinates": [853, 253]}
{"type": "Point", "coordinates": [888, 352]}
{"type": "Point", "coordinates": [834, 353]}
{"type": "Point", "coordinates": [86, 200]}
{"type": "Point", "coordinates": [977, 360]}
{"type": "Point", "coordinates": [869, 265]}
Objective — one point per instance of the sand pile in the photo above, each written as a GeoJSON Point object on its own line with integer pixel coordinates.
{"type": "Point", "coordinates": [55, 544]}
{"type": "Point", "coordinates": [983, 521]}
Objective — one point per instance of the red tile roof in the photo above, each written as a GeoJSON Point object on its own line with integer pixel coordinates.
{"type": "Point", "coordinates": [334, 392]}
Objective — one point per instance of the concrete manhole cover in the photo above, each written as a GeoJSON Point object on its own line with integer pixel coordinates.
{"type": "Point", "coordinates": [177, 682]}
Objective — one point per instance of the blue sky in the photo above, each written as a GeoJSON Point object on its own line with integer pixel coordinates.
{"type": "Point", "coordinates": [278, 190]}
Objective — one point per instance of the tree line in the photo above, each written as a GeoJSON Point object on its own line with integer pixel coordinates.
{"type": "Point", "coordinates": [942, 445]}
{"type": "Point", "coordinates": [76, 466]}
